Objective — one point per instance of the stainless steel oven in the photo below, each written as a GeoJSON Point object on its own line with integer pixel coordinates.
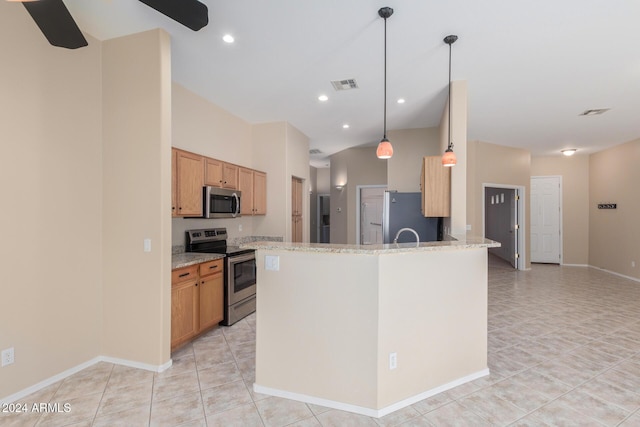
{"type": "Point", "coordinates": [240, 285]}
{"type": "Point", "coordinates": [239, 271]}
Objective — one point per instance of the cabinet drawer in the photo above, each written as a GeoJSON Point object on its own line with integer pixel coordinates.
{"type": "Point", "coordinates": [211, 267]}
{"type": "Point", "coordinates": [184, 274]}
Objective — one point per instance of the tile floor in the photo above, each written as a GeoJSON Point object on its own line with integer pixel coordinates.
{"type": "Point", "coordinates": [564, 350]}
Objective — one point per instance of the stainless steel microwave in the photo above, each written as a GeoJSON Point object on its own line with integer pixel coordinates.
{"type": "Point", "coordinates": [221, 203]}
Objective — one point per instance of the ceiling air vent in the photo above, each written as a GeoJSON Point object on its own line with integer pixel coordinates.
{"type": "Point", "coordinates": [595, 112]}
{"type": "Point", "coordinates": [315, 151]}
{"type": "Point", "coordinates": [347, 84]}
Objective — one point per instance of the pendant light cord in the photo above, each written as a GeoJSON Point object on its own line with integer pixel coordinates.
{"type": "Point", "coordinates": [450, 141]}
{"type": "Point", "coordinates": [385, 80]}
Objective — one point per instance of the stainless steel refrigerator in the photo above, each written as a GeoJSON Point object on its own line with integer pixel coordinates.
{"type": "Point", "coordinates": [401, 210]}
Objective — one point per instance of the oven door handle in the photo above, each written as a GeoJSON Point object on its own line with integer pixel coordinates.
{"type": "Point", "coordinates": [237, 199]}
{"type": "Point", "coordinates": [241, 258]}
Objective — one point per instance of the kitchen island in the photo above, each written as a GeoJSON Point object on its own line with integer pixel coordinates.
{"type": "Point", "coordinates": [370, 328]}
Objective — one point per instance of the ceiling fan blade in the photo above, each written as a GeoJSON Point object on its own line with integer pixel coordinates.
{"type": "Point", "coordinates": [190, 13]}
{"type": "Point", "coordinates": [56, 23]}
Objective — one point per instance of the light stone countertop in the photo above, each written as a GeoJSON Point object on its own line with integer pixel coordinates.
{"type": "Point", "coordinates": [186, 259]}
{"type": "Point", "coordinates": [465, 242]}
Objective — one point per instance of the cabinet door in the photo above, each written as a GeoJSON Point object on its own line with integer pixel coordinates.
{"type": "Point", "coordinates": [245, 185]}
{"type": "Point", "coordinates": [230, 176]}
{"type": "Point", "coordinates": [211, 300]}
{"type": "Point", "coordinates": [184, 317]}
{"type": "Point", "coordinates": [174, 179]}
{"type": "Point", "coordinates": [436, 188]}
{"type": "Point", "coordinates": [259, 193]}
{"type": "Point", "coordinates": [190, 180]}
{"type": "Point", "coordinates": [213, 175]}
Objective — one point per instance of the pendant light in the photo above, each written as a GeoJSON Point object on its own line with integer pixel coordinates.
{"type": "Point", "coordinates": [385, 149]}
{"type": "Point", "coordinates": [449, 157]}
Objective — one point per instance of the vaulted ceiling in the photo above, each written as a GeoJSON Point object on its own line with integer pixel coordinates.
{"type": "Point", "coordinates": [532, 67]}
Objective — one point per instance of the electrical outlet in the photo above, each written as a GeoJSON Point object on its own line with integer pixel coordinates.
{"type": "Point", "coordinates": [633, 264]}
{"type": "Point", "coordinates": [8, 357]}
{"type": "Point", "coordinates": [393, 360]}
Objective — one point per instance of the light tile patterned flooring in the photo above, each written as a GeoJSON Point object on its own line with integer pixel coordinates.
{"type": "Point", "coordinates": [564, 350]}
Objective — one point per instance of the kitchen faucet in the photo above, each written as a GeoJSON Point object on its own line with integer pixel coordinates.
{"type": "Point", "coordinates": [406, 229]}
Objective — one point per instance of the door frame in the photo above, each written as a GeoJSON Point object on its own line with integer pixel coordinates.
{"type": "Point", "coordinates": [560, 213]}
{"type": "Point", "coordinates": [520, 234]}
{"type": "Point", "coordinates": [318, 229]}
{"type": "Point", "coordinates": [358, 201]}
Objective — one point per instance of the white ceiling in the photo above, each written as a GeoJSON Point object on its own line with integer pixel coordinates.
{"type": "Point", "coordinates": [532, 66]}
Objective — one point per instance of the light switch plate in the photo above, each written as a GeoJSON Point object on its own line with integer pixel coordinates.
{"type": "Point", "coordinates": [272, 262]}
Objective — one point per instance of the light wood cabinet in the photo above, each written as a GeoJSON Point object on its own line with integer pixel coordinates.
{"type": "Point", "coordinates": [259, 193]}
{"type": "Point", "coordinates": [184, 299]}
{"type": "Point", "coordinates": [435, 185]}
{"type": "Point", "coordinates": [197, 298]}
{"type": "Point", "coordinates": [211, 294]}
{"type": "Point", "coordinates": [296, 210]}
{"type": "Point", "coordinates": [187, 183]}
{"type": "Point", "coordinates": [221, 174]}
{"type": "Point", "coordinates": [253, 186]}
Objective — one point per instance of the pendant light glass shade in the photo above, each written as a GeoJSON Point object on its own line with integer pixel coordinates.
{"type": "Point", "coordinates": [449, 157]}
{"type": "Point", "coordinates": [385, 149]}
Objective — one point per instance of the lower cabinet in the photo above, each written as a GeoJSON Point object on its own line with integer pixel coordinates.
{"type": "Point", "coordinates": [197, 297]}
{"type": "Point", "coordinates": [211, 294]}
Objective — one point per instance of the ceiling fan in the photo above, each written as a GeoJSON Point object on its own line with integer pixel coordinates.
{"type": "Point", "coordinates": [60, 29]}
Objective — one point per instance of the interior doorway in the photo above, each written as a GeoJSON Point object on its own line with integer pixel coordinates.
{"type": "Point", "coordinates": [503, 222]}
{"type": "Point", "coordinates": [324, 218]}
{"type": "Point", "coordinates": [369, 213]}
{"type": "Point", "coordinates": [546, 212]}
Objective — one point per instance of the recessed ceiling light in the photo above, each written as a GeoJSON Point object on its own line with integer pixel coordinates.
{"type": "Point", "coordinates": [401, 101]}
{"type": "Point", "coordinates": [228, 38]}
{"type": "Point", "coordinates": [569, 152]}
{"type": "Point", "coordinates": [345, 126]}
{"type": "Point", "coordinates": [323, 98]}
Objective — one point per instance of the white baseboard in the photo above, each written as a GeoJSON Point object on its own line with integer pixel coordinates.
{"type": "Point", "coordinates": [62, 375]}
{"type": "Point", "coordinates": [575, 265]}
{"type": "Point", "coordinates": [132, 364]}
{"type": "Point", "coordinates": [376, 413]}
{"type": "Point", "coordinates": [635, 279]}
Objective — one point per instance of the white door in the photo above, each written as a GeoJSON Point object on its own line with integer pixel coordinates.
{"type": "Point", "coordinates": [371, 202]}
{"type": "Point", "coordinates": [545, 219]}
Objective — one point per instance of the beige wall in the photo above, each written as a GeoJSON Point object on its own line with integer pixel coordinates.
{"type": "Point", "coordinates": [496, 164]}
{"type": "Point", "coordinates": [282, 151]}
{"type": "Point", "coordinates": [87, 170]}
{"type": "Point", "coordinates": [204, 128]}
{"type": "Point", "coordinates": [346, 341]}
{"type": "Point", "coordinates": [324, 180]}
{"type": "Point", "coordinates": [456, 224]}
{"type": "Point", "coordinates": [136, 190]}
{"type": "Point", "coordinates": [409, 147]}
{"type": "Point", "coordinates": [575, 202]}
{"type": "Point", "coordinates": [614, 237]}
{"type": "Point", "coordinates": [352, 167]}
{"type": "Point", "coordinates": [50, 221]}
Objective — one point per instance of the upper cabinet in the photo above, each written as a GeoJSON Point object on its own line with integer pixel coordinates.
{"type": "Point", "coordinates": [253, 186]}
{"type": "Point", "coordinates": [190, 172]}
{"type": "Point", "coordinates": [435, 183]}
{"type": "Point", "coordinates": [187, 182]}
{"type": "Point", "coordinates": [221, 174]}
